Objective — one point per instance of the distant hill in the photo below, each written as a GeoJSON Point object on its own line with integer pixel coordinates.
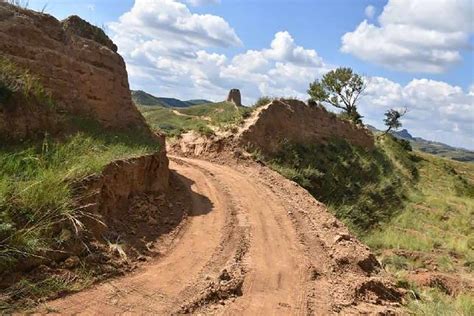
{"type": "Point", "coordinates": [144, 98]}
{"type": "Point", "coordinates": [432, 147]}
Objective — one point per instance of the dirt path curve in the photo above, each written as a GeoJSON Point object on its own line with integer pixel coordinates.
{"type": "Point", "coordinates": [277, 266]}
{"type": "Point", "coordinates": [254, 244]}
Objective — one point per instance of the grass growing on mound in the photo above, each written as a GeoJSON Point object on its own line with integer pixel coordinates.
{"type": "Point", "coordinates": [200, 118]}
{"type": "Point", "coordinates": [13, 80]}
{"type": "Point", "coordinates": [36, 180]}
{"type": "Point", "coordinates": [414, 210]}
{"type": "Point", "coordinates": [363, 188]}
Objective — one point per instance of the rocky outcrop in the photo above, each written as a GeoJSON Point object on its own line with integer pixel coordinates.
{"type": "Point", "coordinates": [296, 122]}
{"type": "Point", "coordinates": [235, 97]}
{"type": "Point", "coordinates": [75, 62]}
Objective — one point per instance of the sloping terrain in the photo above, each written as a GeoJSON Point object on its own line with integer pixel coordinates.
{"type": "Point", "coordinates": [77, 65]}
{"type": "Point", "coordinates": [142, 98]}
{"type": "Point", "coordinates": [205, 119]}
{"type": "Point", "coordinates": [255, 243]}
{"type": "Point", "coordinates": [432, 147]}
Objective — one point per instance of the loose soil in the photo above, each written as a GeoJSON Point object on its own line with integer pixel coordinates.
{"type": "Point", "coordinates": [253, 243]}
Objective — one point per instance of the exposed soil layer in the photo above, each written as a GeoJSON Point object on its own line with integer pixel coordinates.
{"type": "Point", "coordinates": [74, 61]}
{"type": "Point", "coordinates": [294, 121]}
{"type": "Point", "coordinates": [254, 243]}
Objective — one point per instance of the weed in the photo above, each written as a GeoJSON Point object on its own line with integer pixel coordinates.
{"type": "Point", "coordinates": [15, 80]}
{"type": "Point", "coordinates": [36, 185]}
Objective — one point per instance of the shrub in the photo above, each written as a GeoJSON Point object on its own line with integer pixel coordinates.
{"type": "Point", "coordinates": [264, 100]}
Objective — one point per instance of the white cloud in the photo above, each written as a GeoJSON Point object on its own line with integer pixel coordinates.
{"type": "Point", "coordinates": [436, 110]}
{"type": "Point", "coordinates": [172, 21]}
{"type": "Point", "coordinates": [414, 35]}
{"type": "Point", "coordinates": [369, 11]}
{"type": "Point", "coordinates": [197, 3]}
{"type": "Point", "coordinates": [167, 57]}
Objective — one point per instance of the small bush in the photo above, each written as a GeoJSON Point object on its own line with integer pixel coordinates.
{"type": "Point", "coordinates": [262, 101]}
{"type": "Point", "coordinates": [13, 79]}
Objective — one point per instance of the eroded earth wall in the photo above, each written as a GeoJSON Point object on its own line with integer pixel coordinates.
{"type": "Point", "coordinates": [75, 61]}
{"type": "Point", "coordinates": [294, 121]}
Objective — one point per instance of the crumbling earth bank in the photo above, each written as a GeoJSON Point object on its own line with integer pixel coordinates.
{"type": "Point", "coordinates": [296, 122]}
{"type": "Point", "coordinates": [76, 62]}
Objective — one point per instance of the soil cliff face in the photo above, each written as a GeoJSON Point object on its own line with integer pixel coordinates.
{"type": "Point", "coordinates": [74, 61]}
{"type": "Point", "coordinates": [296, 122]}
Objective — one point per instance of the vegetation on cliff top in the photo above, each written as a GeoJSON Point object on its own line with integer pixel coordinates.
{"type": "Point", "coordinates": [202, 118]}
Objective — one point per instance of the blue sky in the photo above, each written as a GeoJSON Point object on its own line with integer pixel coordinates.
{"type": "Point", "coordinates": [414, 53]}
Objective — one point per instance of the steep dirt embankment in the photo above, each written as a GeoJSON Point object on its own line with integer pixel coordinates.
{"type": "Point", "coordinates": [126, 205]}
{"type": "Point", "coordinates": [296, 122]}
{"type": "Point", "coordinates": [75, 61]}
{"type": "Point", "coordinates": [111, 194]}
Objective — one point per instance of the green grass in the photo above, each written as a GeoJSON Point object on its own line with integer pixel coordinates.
{"type": "Point", "coordinates": [436, 214]}
{"type": "Point", "coordinates": [414, 210]}
{"type": "Point", "coordinates": [36, 185]}
{"type": "Point", "coordinates": [434, 302]}
{"type": "Point", "coordinates": [16, 82]}
{"type": "Point", "coordinates": [363, 188]}
{"type": "Point", "coordinates": [203, 118]}
{"type": "Point", "coordinates": [26, 293]}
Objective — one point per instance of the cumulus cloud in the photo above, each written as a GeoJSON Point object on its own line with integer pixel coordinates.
{"type": "Point", "coordinates": [369, 11]}
{"type": "Point", "coordinates": [414, 35]}
{"type": "Point", "coordinates": [436, 109]}
{"type": "Point", "coordinates": [170, 19]}
{"type": "Point", "coordinates": [202, 2]}
{"type": "Point", "coordinates": [169, 56]}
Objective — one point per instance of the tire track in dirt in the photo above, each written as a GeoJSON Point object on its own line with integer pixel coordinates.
{"type": "Point", "coordinates": [157, 286]}
{"type": "Point", "coordinates": [254, 244]}
{"type": "Point", "coordinates": [277, 267]}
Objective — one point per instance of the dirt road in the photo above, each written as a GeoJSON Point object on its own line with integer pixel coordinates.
{"type": "Point", "coordinates": [254, 244]}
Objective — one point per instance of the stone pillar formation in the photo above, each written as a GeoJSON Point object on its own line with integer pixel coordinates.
{"type": "Point", "coordinates": [234, 97]}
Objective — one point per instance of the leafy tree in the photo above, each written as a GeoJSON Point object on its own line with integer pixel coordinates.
{"type": "Point", "coordinates": [392, 119]}
{"type": "Point", "coordinates": [340, 88]}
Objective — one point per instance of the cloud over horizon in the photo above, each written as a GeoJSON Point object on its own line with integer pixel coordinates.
{"type": "Point", "coordinates": [414, 36]}
{"type": "Point", "coordinates": [171, 51]}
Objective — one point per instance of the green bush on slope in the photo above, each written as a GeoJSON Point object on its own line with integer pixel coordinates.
{"type": "Point", "coordinates": [363, 188]}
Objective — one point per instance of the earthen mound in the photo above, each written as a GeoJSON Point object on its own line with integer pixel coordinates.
{"type": "Point", "coordinates": [76, 63]}
{"type": "Point", "coordinates": [296, 122]}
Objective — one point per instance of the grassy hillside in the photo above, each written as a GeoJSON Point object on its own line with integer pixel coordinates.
{"type": "Point", "coordinates": [433, 232]}
{"type": "Point", "coordinates": [203, 118]}
{"type": "Point", "coordinates": [142, 98]}
{"type": "Point", "coordinates": [431, 147]}
{"type": "Point", "coordinates": [442, 150]}
{"type": "Point", "coordinates": [363, 188]}
{"type": "Point", "coordinates": [414, 210]}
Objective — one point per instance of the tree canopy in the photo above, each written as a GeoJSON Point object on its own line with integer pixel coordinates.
{"type": "Point", "coordinates": [340, 88]}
